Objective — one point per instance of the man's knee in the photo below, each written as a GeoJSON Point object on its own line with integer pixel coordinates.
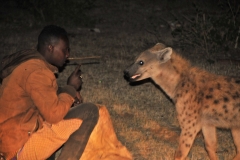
{"type": "Point", "coordinates": [84, 111]}
{"type": "Point", "coordinates": [91, 111]}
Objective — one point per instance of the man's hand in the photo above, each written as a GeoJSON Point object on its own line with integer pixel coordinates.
{"type": "Point", "coordinates": [75, 79]}
{"type": "Point", "coordinates": [78, 99]}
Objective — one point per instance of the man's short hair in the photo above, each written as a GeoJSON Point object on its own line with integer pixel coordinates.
{"type": "Point", "coordinates": [50, 35]}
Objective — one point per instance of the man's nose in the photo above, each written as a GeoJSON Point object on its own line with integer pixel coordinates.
{"type": "Point", "coordinates": [68, 54]}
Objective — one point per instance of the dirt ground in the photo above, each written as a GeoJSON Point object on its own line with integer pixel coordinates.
{"type": "Point", "coordinates": [143, 116]}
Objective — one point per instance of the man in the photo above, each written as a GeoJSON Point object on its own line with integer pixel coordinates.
{"type": "Point", "coordinates": [30, 98]}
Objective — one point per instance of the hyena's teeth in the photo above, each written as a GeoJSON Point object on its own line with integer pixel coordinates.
{"type": "Point", "coordinates": [135, 76]}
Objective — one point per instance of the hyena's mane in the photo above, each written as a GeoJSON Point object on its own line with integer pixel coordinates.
{"type": "Point", "coordinates": [180, 64]}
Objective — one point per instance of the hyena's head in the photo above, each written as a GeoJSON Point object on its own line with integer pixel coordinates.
{"type": "Point", "coordinates": [148, 63]}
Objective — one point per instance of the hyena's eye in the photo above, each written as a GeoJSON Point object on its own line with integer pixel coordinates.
{"type": "Point", "coordinates": [140, 62]}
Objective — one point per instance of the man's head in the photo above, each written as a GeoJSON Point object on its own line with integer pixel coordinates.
{"type": "Point", "coordinates": [53, 44]}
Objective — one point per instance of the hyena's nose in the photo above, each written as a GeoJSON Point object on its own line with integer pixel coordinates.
{"type": "Point", "coordinates": [126, 73]}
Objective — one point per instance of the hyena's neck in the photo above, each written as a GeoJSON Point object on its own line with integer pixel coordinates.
{"type": "Point", "coordinates": [171, 74]}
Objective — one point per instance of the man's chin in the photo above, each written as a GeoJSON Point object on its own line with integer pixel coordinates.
{"type": "Point", "coordinates": [61, 67]}
{"type": "Point", "coordinates": [63, 64]}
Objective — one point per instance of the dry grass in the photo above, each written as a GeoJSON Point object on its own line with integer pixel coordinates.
{"type": "Point", "coordinates": [143, 117]}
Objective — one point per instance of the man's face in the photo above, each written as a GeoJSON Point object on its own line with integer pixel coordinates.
{"type": "Point", "coordinates": [59, 53]}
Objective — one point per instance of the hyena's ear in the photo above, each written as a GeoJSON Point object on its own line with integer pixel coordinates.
{"type": "Point", "coordinates": [164, 55]}
{"type": "Point", "coordinates": [161, 45]}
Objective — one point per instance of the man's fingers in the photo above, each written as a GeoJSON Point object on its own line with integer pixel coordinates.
{"type": "Point", "coordinates": [79, 97]}
{"type": "Point", "coordinates": [77, 69]}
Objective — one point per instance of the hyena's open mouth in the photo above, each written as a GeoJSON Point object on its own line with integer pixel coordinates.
{"type": "Point", "coordinates": [131, 77]}
{"type": "Point", "coordinates": [135, 76]}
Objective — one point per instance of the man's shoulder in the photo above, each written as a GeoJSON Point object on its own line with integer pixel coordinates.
{"type": "Point", "coordinates": [32, 65]}
{"type": "Point", "coordinates": [19, 57]}
{"type": "Point", "coordinates": [39, 64]}
{"type": "Point", "coordinates": [32, 69]}
{"type": "Point", "coordinates": [10, 62]}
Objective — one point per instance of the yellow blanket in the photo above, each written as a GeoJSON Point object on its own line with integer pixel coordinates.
{"type": "Point", "coordinates": [102, 145]}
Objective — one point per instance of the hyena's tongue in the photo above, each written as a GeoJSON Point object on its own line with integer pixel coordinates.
{"type": "Point", "coordinates": [135, 76]}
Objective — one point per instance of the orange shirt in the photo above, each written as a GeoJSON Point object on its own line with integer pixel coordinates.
{"type": "Point", "coordinates": [33, 84]}
{"type": "Point", "coordinates": [29, 95]}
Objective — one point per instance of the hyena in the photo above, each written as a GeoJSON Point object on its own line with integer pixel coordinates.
{"type": "Point", "coordinates": [203, 100]}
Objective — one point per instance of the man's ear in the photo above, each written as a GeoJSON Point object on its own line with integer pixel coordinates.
{"type": "Point", "coordinates": [50, 48]}
{"type": "Point", "coordinates": [164, 55]}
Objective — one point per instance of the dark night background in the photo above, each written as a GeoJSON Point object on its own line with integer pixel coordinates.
{"type": "Point", "coordinates": [148, 17]}
{"type": "Point", "coordinates": [205, 32]}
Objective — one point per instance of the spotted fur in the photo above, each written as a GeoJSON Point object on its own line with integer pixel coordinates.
{"type": "Point", "coordinates": [204, 101]}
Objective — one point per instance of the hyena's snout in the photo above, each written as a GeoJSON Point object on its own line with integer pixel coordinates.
{"type": "Point", "coordinates": [130, 73]}
{"type": "Point", "coordinates": [126, 74]}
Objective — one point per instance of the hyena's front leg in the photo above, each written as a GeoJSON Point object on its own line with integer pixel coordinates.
{"type": "Point", "coordinates": [210, 138]}
{"type": "Point", "coordinates": [187, 137]}
{"type": "Point", "coordinates": [236, 138]}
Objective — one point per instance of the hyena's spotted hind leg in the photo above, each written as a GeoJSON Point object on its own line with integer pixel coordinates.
{"type": "Point", "coordinates": [185, 142]}
{"type": "Point", "coordinates": [210, 138]}
{"type": "Point", "coordinates": [236, 139]}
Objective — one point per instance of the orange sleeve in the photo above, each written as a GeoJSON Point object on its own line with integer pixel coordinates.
{"type": "Point", "coordinates": [41, 85]}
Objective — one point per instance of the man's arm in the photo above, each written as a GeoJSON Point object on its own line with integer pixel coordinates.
{"type": "Point", "coordinates": [42, 87]}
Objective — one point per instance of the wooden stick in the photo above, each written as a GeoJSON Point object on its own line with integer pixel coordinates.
{"type": "Point", "coordinates": [85, 63]}
{"type": "Point", "coordinates": [82, 58]}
